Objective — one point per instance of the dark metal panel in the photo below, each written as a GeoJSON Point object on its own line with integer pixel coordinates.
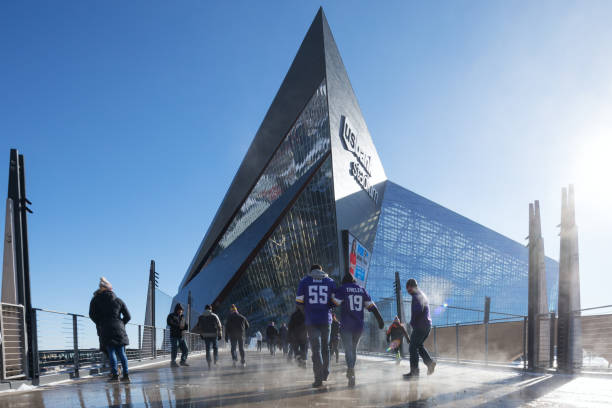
{"type": "Point", "coordinates": [305, 74]}
{"type": "Point", "coordinates": [359, 214]}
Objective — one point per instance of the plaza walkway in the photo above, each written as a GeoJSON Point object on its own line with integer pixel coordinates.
{"type": "Point", "coordinates": [271, 382]}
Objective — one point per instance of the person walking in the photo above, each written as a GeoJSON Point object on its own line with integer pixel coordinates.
{"type": "Point", "coordinates": [314, 299]}
{"type": "Point", "coordinates": [334, 337]}
{"type": "Point", "coordinates": [178, 326]}
{"type": "Point", "coordinates": [209, 328]}
{"type": "Point", "coordinates": [110, 314]}
{"type": "Point", "coordinates": [420, 320]}
{"type": "Point", "coordinates": [395, 336]}
{"type": "Point", "coordinates": [236, 326]}
{"type": "Point", "coordinates": [298, 339]}
{"type": "Point", "coordinates": [353, 299]}
{"type": "Point", "coordinates": [259, 339]}
{"type": "Point", "coordinates": [271, 337]}
{"type": "Point", "coordinates": [283, 337]}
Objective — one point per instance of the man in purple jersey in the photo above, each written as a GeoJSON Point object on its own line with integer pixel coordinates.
{"type": "Point", "coordinates": [314, 299]}
{"type": "Point", "coordinates": [352, 300]}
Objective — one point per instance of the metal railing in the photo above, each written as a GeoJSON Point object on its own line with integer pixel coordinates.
{"type": "Point", "coordinates": [69, 343]}
{"type": "Point", "coordinates": [592, 330]}
{"type": "Point", "coordinates": [13, 341]}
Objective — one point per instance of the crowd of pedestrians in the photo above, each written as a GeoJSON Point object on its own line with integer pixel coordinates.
{"type": "Point", "coordinates": [312, 324]}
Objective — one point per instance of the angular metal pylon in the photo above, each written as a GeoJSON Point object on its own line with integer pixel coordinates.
{"type": "Point", "coordinates": [569, 347]}
{"type": "Point", "coordinates": [537, 296]}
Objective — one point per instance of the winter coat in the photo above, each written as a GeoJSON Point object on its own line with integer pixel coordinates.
{"type": "Point", "coordinates": [283, 332]}
{"type": "Point", "coordinates": [271, 334]}
{"type": "Point", "coordinates": [176, 323]}
{"type": "Point", "coordinates": [297, 328]}
{"type": "Point", "coordinates": [236, 326]}
{"type": "Point", "coordinates": [397, 332]}
{"type": "Point", "coordinates": [110, 315]}
{"type": "Point", "coordinates": [335, 331]}
{"type": "Point", "coordinates": [208, 325]}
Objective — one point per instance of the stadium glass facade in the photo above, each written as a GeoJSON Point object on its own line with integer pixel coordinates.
{"type": "Point", "coordinates": [456, 261]}
{"type": "Point", "coordinates": [313, 172]}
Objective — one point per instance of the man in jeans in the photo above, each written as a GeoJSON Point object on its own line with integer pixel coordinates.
{"type": "Point", "coordinates": [314, 299]}
{"type": "Point", "coordinates": [353, 299]}
{"type": "Point", "coordinates": [236, 326]}
{"type": "Point", "coordinates": [177, 324]}
{"type": "Point", "coordinates": [209, 329]}
{"type": "Point", "coordinates": [420, 320]}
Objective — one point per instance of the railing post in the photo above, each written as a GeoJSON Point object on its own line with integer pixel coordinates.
{"type": "Point", "coordinates": [525, 343]}
{"type": "Point", "coordinates": [457, 337]}
{"type": "Point", "coordinates": [154, 341]}
{"type": "Point", "coordinates": [139, 343]}
{"type": "Point", "coordinates": [75, 343]}
{"type": "Point", "coordinates": [486, 328]}
{"type": "Point", "coordinates": [435, 342]}
{"type": "Point", "coordinates": [552, 339]}
{"type": "Point", "coordinates": [35, 357]}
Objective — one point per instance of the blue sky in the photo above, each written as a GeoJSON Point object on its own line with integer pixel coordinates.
{"type": "Point", "coordinates": [134, 117]}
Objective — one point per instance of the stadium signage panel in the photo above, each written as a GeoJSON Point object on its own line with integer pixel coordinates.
{"type": "Point", "coordinates": [361, 167]}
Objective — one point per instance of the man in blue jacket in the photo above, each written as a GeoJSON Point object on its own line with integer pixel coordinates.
{"type": "Point", "coordinates": [420, 320]}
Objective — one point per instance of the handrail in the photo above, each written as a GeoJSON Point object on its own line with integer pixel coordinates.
{"type": "Point", "coordinates": [592, 308]}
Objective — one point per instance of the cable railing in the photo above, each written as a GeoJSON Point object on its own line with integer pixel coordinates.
{"type": "Point", "coordinates": [68, 343]}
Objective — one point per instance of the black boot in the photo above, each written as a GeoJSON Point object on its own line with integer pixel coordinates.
{"type": "Point", "coordinates": [431, 368]}
{"type": "Point", "coordinates": [412, 375]}
{"type": "Point", "coordinates": [350, 374]}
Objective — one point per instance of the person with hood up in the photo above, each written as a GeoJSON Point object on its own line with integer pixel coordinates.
{"type": "Point", "coordinates": [236, 326]}
{"type": "Point", "coordinates": [298, 339]}
{"type": "Point", "coordinates": [353, 300]}
{"type": "Point", "coordinates": [110, 315]}
{"type": "Point", "coordinates": [395, 336]}
{"type": "Point", "coordinates": [259, 339]}
{"type": "Point", "coordinates": [314, 299]}
{"type": "Point", "coordinates": [420, 320]}
{"type": "Point", "coordinates": [178, 326]}
{"type": "Point", "coordinates": [209, 329]}
{"type": "Point", "coordinates": [334, 337]}
{"type": "Point", "coordinates": [283, 337]}
{"type": "Point", "coordinates": [271, 337]}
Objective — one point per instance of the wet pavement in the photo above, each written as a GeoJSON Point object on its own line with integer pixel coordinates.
{"type": "Point", "coordinates": [271, 382]}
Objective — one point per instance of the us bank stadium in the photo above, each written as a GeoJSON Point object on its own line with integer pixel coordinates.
{"type": "Point", "coordinates": [311, 177]}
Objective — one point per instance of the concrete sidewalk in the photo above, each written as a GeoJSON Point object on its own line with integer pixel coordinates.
{"type": "Point", "coordinates": [271, 382]}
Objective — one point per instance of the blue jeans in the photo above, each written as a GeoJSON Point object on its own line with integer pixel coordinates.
{"type": "Point", "coordinates": [239, 342]}
{"type": "Point", "coordinates": [120, 351]}
{"type": "Point", "coordinates": [319, 346]}
{"type": "Point", "coordinates": [416, 348]}
{"type": "Point", "coordinates": [350, 340]}
{"type": "Point", "coordinates": [175, 343]}
{"type": "Point", "coordinates": [211, 342]}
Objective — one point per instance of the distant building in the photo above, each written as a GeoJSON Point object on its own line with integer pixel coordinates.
{"type": "Point", "coordinates": [311, 173]}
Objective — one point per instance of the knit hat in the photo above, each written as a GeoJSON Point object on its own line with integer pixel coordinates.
{"type": "Point", "coordinates": [233, 308]}
{"type": "Point", "coordinates": [396, 320]}
{"type": "Point", "coordinates": [105, 284]}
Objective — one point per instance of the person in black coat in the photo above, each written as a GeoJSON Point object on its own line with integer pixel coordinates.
{"type": "Point", "coordinates": [297, 336]}
{"type": "Point", "coordinates": [283, 334]}
{"type": "Point", "coordinates": [236, 326]}
{"type": "Point", "coordinates": [177, 324]}
{"type": "Point", "coordinates": [110, 315]}
{"type": "Point", "coordinates": [271, 337]}
{"type": "Point", "coordinates": [334, 337]}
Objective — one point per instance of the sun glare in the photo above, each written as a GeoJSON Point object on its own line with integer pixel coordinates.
{"type": "Point", "coordinates": [594, 173]}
